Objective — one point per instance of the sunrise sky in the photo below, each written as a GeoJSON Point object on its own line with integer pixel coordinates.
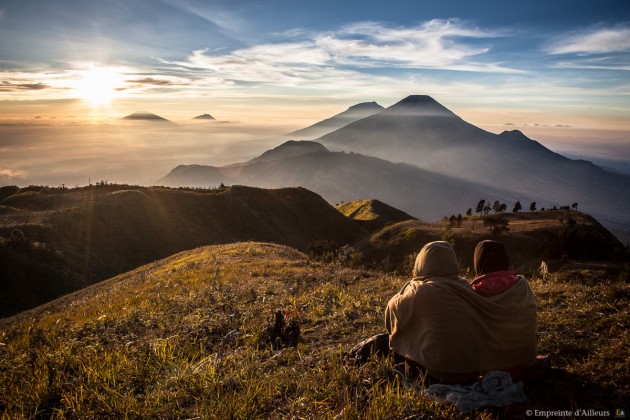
{"type": "Point", "coordinates": [556, 69]}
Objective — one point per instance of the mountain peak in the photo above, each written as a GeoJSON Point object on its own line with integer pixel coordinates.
{"type": "Point", "coordinates": [513, 134]}
{"type": "Point", "coordinates": [366, 106]}
{"type": "Point", "coordinates": [204, 117]}
{"type": "Point", "coordinates": [418, 100]}
{"type": "Point", "coordinates": [350, 115]}
{"type": "Point", "coordinates": [423, 104]}
{"type": "Point", "coordinates": [291, 148]}
{"type": "Point", "coordinates": [144, 116]}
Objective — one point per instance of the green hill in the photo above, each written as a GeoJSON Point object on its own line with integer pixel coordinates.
{"type": "Point", "coordinates": [196, 336]}
{"type": "Point", "coordinates": [71, 238]}
{"type": "Point", "coordinates": [372, 214]}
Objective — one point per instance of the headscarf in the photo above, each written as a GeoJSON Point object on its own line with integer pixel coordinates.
{"type": "Point", "coordinates": [436, 259]}
{"type": "Point", "coordinates": [490, 256]}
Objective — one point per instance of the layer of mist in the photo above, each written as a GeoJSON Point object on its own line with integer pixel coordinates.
{"type": "Point", "coordinates": [134, 153]}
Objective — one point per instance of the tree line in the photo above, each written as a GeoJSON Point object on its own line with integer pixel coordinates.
{"type": "Point", "coordinates": [484, 207]}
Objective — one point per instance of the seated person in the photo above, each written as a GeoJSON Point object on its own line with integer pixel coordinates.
{"type": "Point", "coordinates": [492, 268]}
{"type": "Point", "coordinates": [437, 322]}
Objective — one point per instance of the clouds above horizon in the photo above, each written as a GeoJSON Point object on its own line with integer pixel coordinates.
{"type": "Point", "coordinates": [355, 48]}
{"type": "Point", "coordinates": [188, 50]}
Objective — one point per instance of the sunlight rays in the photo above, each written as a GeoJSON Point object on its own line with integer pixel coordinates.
{"type": "Point", "coordinates": [99, 85]}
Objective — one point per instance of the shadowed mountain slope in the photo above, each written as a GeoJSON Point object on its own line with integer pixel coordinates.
{"type": "Point", "coordinates": [80, 236]}
{"type": "Point", "coordinates": [418, 130]}
{"type": "Point", "coordinates": [339, 176]}
{"type": "Point", "coordinates": [352, 114]}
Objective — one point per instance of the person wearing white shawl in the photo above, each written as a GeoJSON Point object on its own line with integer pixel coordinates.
{"type": "Point", "coordinates": [438, 322]}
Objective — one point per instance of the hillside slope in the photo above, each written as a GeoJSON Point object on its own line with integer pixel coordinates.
{"type": "Point", "coordinates": [88, 234]}
{"type": "Point", "coordinates": [195, 335]}
{"type": "Point", "coordinates": [372, 214]}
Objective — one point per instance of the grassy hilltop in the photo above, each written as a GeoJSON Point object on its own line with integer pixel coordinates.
{"type": "Point", "coordinates": [54, 241]}
{"type": "Point", "coordinates": [194, 335]}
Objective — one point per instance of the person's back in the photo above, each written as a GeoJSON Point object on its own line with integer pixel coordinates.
{"type": "Point", "coordinates": [438, 322]}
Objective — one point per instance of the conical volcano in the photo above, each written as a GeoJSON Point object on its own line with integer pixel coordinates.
{"type": "Point", "coordinates": [417, 123]}
{"type": "Point", "coordinates": [145, 116]}
{"type": "Point", "coordinates": [421, 105]}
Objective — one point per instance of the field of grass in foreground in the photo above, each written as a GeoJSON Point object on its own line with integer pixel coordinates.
{"type": "Point", "coordinates": [189, 337]}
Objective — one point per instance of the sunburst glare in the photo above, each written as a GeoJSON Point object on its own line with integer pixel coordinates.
{"type": "Point", "coordinates": [99, 85]}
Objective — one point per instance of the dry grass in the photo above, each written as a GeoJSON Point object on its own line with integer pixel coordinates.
{"type": "Point", "coordinates": [185, 337]}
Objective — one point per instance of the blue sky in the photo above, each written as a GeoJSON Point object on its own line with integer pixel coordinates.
{"type": "Point", "coordinates": [549, 63]}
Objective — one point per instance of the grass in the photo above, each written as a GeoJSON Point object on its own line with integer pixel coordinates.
{"type": "Point", "coordinates": [188, 337]}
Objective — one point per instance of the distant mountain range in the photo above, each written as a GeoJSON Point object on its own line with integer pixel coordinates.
{"type": "Point", "coordinates": [446, 165]}
{"type": "Point", "coordinates": [340, 176]}
{"type": "Point", "coordinates": [420, 131]}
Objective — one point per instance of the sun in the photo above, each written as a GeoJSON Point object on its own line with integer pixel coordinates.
{"type": "Point", "coordinates": [99, 85]}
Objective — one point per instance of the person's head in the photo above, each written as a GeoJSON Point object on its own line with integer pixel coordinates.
{"type": "Point", "coordinates": [436, 259]}
{"type": "Point", "coordinates": [490, 256]}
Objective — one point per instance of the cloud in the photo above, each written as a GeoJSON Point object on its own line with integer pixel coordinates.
{"type": "Point", "coordinates": [434, 44]}
{"type": "Point", "coordinates": [348, 54]}
{"type": "Point", "coordinates": [151, 81]}
{"type": "Point", "coordinates": [595, 41]}
{"type": "Point", "coordinates": [6, 86]}
{"type": "Point", "coordinates": [10, 176]}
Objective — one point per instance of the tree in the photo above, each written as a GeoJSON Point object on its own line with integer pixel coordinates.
{"type": "Point", "coordinates": [517, 207]}
{"type": "Point", "coordinates": [486, 209]}
{"type": "Point", "coordinates": [480, 206]}
{"type": "Point", "coordinates": [502, 207]}
{"type": "Point", "coordinates": [496, 205]}
{"type": "Point", "coordinates": [532, 207]}
{"type": "Point", "coordinates": [574, 206]}
{"type": "Point", "coordinates": [496, 224]}
{"type": "Point", "coordinates": [469, 212]}
{"type": "Point", "coordinates": [459, 220]}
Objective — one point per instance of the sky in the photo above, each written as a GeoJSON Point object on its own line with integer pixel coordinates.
{"type": "Point", "coordinates": [557, 70]}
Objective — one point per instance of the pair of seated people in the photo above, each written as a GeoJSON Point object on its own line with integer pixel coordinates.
{"type": "Point", "coordinates": [455, 330]}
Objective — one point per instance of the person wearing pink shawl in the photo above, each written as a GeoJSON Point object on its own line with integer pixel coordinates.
{"type": "Point", "coordinates": [492, 266]}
